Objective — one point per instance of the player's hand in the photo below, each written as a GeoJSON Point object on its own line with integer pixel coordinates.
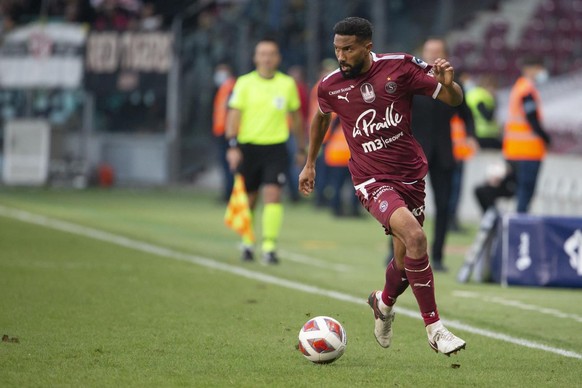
{"type": "Point", "coordinates": [307, 180]}
{"type": "Point", "coordinates": [234, 158]}
{"type": "Point", "coordinates": [443, 72]}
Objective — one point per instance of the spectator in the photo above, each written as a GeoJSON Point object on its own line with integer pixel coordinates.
{"type": "Point", "coordinates": [481, 100]}
{"type": "Point", "coordinates": [463, 150]}
{"type": "Point", "coordinates": [224, 81]}
{"type": "Point", "coordinates": [337, 156]}
{"type": "Point", "coordinates": [149, 21]}
{"type": "Point", "coordinates": [524, 139]}
{"type": "Point", "coordinates": [499, 183]}
{"type": "Point", "coordinates": [111, 17]}
{"type": "Point", "coordinates": [7, 21]}
{"type": "Point", "coordinates": [321, 184]}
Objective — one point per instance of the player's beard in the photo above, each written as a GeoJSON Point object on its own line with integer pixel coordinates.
{"type": "Point", "coordinates": [353, 70]}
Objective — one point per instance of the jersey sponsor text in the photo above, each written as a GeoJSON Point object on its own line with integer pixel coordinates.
{"type": "Point", "coordinates": [368, 125]}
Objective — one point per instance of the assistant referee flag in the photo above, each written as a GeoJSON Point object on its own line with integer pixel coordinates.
{"type": "Point", "coordinates": [238, 213]}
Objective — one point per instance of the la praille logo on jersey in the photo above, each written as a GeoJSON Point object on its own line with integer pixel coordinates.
{"type": "Point", "coordinates": [369, 121]}
{"type": "Point", "coordinates": [367, 124]}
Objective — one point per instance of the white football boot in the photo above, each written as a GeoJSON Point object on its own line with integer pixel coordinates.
{"type": "Point", "coordinates": [442, 340]}
{"type": "Point", "coordinates": [383, 317]}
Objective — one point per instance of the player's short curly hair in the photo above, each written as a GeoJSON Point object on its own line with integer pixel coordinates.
{"type": "Point", "coordinates": [359, 27]}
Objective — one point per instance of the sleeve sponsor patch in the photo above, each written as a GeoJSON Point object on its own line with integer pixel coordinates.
{"type": "Point", "coordinates": [419, 62]}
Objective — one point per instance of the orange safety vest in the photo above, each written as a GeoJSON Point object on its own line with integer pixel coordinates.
{"type": "Point", "coordinates": [520, 142]}
{"type": "Point", "coordinates": [337, 152]}
{"type": "Point", "coordinates": [221, 106]}
{"type": "Point", "coordinates": [461, 148]}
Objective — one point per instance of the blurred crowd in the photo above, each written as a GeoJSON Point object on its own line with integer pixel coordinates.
{"type": "Point", "coordinates": [99, 14]}
{"type": "Point", "coordinates": [136, 111]}
{"type": "Point", "coordinates": [214, 32]}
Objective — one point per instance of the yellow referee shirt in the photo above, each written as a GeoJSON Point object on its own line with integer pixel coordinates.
{"type": "Point", "coordinates": [264, 104]}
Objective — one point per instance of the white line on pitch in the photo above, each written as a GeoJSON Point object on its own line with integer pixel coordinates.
{"type": "Point", "coordinates": [209, 263]}
{"type": "Point", "coordinates": [519, 305]}
{"type": "Point", "coordinates": [299, 258]}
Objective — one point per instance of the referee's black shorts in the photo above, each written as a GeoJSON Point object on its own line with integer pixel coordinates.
{"type": "Point", "coordinates": [264, 164]}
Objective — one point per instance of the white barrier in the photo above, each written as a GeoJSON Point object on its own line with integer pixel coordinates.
{"type": "Point", "coordinates": [558, 191]}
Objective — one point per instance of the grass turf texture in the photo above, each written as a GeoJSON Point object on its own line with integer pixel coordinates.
{"type": "Point", "coordinates": [90, 313]}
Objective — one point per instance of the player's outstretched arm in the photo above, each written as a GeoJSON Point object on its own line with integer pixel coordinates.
{"type": "Point", "coordinates": [317, 131]}
{"type": "Point", "coordinates": [451, 93]}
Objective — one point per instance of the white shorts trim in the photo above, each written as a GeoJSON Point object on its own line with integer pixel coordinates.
{"type": "Point", "coordinates": [362, 187]}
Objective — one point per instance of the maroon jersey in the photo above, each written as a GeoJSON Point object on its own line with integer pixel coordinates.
{"type": "Point", "coordinates": [374, 109]}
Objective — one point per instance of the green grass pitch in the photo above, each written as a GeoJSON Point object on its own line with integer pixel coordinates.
{"type": "Point", "coordinates": [79, 310]}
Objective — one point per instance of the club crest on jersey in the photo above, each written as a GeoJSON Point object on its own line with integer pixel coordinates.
{"type": "Point", "coordinates": [383, 206]}
{"type": "Point", "coordinates": [390, 87]}
{"type": "Point", "coordinates": [419, 62]}
{"type": "Point", "coordinates": [367, 91]}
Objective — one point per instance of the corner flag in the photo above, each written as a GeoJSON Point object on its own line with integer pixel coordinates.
{"type": "Point", "coordinates": [238, 213]}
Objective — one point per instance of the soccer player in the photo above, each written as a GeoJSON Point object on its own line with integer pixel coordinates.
{"type": "Point", "coordinates": [224, 80]}
{"type": "Point", "coordinates": [257, 131]}
{"type": "Point", "coordinates": [372, 95]}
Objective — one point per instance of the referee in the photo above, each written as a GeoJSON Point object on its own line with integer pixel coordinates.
{"type": "Point", "coordinates": [263, 106]}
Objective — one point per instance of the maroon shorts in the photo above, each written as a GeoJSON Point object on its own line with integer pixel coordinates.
{"type": "Point", "coordinates": [382, 198]}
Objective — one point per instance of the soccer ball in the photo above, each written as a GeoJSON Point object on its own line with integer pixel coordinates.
{"type": "Point", "coordinates": [322, 340]}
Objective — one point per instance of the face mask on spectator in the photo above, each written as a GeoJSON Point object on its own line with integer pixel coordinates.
{"type": "Point", "coordinates": [220, 76]}
{"type": "Point", "coordinates": [542, 76]}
